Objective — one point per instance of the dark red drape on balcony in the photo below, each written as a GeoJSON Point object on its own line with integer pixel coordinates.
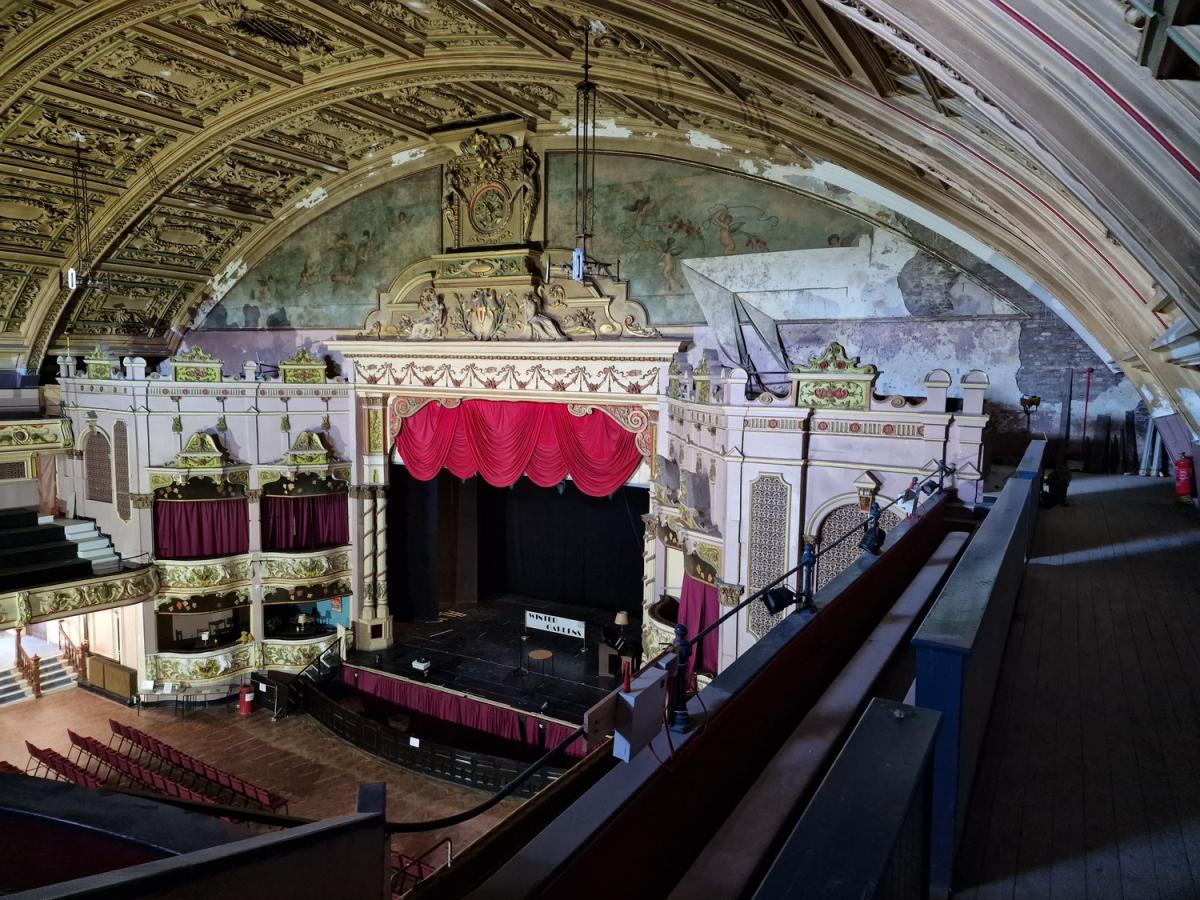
{"type": "Point", "coordinates": [294, 523]}
{"type": "Point", "coordinates": [503, 440]}
{"type": "Point", "coordinates": [699, 608]}
{"type": "Point", "coordinates": [194, 529]}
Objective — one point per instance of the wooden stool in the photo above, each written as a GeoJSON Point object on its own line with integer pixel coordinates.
{"type": "Point", "coordinates": [540, 657]}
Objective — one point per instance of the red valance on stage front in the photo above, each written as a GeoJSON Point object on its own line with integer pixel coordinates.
{"type": "Point", "coordinates": [503, 440]}
{"type": "Point", "coordinates": [460, 709]}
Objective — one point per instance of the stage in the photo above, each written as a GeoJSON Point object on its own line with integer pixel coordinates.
{"type": "Point", "coordinates": [476, 649]}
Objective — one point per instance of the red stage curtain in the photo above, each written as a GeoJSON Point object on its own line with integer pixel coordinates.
{"type": "Point", "coordinates": [503, 440]}
{"type": "Point", "coordinates": [699, 608]}
{"type": "Point", "coordinates": [194, 529]}
{"type": "Point", "coordinates": [304, 522]}
{"type": "Point", "coordinates": [455, 708]}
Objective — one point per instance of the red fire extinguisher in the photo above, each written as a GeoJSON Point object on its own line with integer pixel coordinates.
{"type": "Point", "coordinates": [1183, 477]}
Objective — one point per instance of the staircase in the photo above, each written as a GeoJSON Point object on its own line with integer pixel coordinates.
{"type": "Point", "coordinates": [55, 677]}
{"type": "Point", "coordinates": [12, 688]}
{"type": "Point", "coordinates": [320, 671]}
{"type": "Point", "coordinates": [37, 550]}
{"type": "Point", "coordinates": [93, 545]}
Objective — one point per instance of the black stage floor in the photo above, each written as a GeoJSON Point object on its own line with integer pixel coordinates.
{"type": "Point", "coordinates": [476, 648]}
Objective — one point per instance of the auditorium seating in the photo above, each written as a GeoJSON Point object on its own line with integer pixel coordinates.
{"type": "Point", "coordinates": [9, 769]}
{"type": "Point", "coordinates": [32, 554]}
{"type": "Point", "coordinates": [134, 771]}
{"type": "Point", "coordinates": [130, 737]}
{"type": "Point", "coordinates": [51, 761]}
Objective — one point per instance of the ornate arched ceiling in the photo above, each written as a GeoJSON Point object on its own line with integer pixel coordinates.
{"type": "Point", "coordinates": [1037, 135]}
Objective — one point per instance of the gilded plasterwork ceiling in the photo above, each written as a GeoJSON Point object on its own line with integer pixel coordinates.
{"type": "Point", "coordinates": [205, 121]}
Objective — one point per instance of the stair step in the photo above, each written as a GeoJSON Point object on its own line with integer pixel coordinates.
{"type": "Point", "coordinates": [14, 691]}
{"type": "Point", "coordinates": [95, 550]}
{"type": "Point", "coordinates": [11, 556]}
{"type": "Point", "coordinates": [77, 529]}
{"type": "Point", "coordinates": [38, 574]}
{"type": "Point", "coordinates": [18, 516]}
{"type": "Point", "coordinates": [14, 698]}
{"type": "Point", "coordinates": [28, 535]}
{"type": "Point", "coordinates": [45, 520]}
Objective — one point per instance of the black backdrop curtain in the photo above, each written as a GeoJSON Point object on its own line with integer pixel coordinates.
{"type": "Point", "coordinates": [562, 548]}
{"type": "Point", "coordinates": [413, 557]}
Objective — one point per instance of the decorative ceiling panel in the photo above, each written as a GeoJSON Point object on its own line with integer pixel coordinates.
{"type": "Point", "coordinates": [286, 38]}
{"type": "Point", "coordinates": [134, 306]}
{"type": "Point", "coordinates": [34, 217]}
{"type": "Point", "coordinates": [244, 180]}
{"type": "Point", "coordinates": [42, 130]}
{"type": "Point", "coordinates": [16, 17]}
{"type": "Point", "coordinates": [146, 71]}
{"type": "Point", "coordinates": [19, 284]}
{"type": "Point", "coordinates": [191, 239]}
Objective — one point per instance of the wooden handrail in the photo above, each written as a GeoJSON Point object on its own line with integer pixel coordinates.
{"type": "Point", "coordinates": [76, 657]}
{"type": "Point", "coordinates": [30, 667]}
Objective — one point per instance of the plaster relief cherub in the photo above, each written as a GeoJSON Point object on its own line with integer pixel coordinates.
{"type": "Point", "coordinates": [432, 323]}
{"type": "Point", "coordinates": [541, 326]}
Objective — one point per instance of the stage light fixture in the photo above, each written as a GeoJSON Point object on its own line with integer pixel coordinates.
{"type": "Point", "coordinates": [562, 488]}
{"type": "Point", "coordinates": [872, 540]}
{"type": "Point", "coordinates": [929, 488]}
{"type": "Point", "coordinates": [777, 599]}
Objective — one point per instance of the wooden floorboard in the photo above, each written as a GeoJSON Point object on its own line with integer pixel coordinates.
{"type": "Point", "coordinates": [294, 757]}
{"type": "Point", "coordinates": [1088, 783]}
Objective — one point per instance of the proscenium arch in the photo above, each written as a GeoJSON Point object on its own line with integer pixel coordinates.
{"type": "Point", "coordinates": [1036, 218]}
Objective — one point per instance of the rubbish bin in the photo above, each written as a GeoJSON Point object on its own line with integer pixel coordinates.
{"type": "Point", "coordinates": [246, 700]}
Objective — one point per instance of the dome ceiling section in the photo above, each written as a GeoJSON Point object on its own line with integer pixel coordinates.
{"type": "Point", "coordinates": [247, 118]}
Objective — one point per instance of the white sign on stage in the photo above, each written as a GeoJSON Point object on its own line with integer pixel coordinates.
{"type": "Point", "coordinates": [556, 624]}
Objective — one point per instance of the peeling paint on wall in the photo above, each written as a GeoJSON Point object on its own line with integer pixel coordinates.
{"type": "Point", "coordinates": [404, 156]}
{"type": "Point", "coordinates": [706, 141]}
{"type": "Point", "coordinates": [317, 196]}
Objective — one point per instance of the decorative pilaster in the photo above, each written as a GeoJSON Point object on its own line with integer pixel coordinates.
{"type": "Point", "coordinates": [368, 554]}
{"type": "Point", "coordinates": [381, 591]}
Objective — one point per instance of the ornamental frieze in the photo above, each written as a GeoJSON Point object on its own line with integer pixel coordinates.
{"type": "Point", "coordinates": [512, 377]}
{"type": "Point", "coordinates": [53, 602]}
{"type": "Point", "coordinates": [294, 567]}
{"type": "Point", "coordinates": [217, 573]}
{"type": "Point", "coordinates": [292, 654]}
{"type": "Point", "coordinates": [38, 434]}
{"type": "Point", "coordinates": [202, 668]}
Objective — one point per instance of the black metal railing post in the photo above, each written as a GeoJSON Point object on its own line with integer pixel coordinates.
{"type": "Point", "coordinates": [808, 562]}
{"type": "Point", "coordinates": [680, 720]}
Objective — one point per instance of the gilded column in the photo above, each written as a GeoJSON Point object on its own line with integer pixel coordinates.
{"type": "Point", "coordinates": [368, 553]}
{"type": "Point", "coordinates": [381, 591]}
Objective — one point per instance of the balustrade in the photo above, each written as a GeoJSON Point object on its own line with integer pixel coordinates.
{"type": "Point", "coordinates": [30, 667]}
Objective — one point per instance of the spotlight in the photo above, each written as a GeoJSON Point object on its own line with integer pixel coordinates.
{"type": "Point", "coordinates": [777, 599]}
{"type": "Point", "coordinates": [929, 488]}
{"type": "Point", "coordinates": [562, 488]}
{"type": "Point", "coordinates": [872, 540]}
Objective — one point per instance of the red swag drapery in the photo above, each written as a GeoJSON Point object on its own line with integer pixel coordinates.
{"type": "Point", "coordinates": [503, 440]}
{"type": "Point", "coordinates": [699, 608]}
{"type": "Point", "coordinates": [193, 529]}
{"type": "Point", "coordinates": [460, 710]}
{"type": "Point", "coordinates": [304, 522]}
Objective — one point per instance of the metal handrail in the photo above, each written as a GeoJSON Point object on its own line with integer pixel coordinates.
{"type": "Point", "coordinates": [405, 872]}
{"type": "Point", "coordinates": [316, 659]}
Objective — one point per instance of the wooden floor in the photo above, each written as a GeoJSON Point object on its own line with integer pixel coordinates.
{"type": "Point", "coordinates": [1089, 783]}
{"type": "Point", "coordinates": [294, 757]}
